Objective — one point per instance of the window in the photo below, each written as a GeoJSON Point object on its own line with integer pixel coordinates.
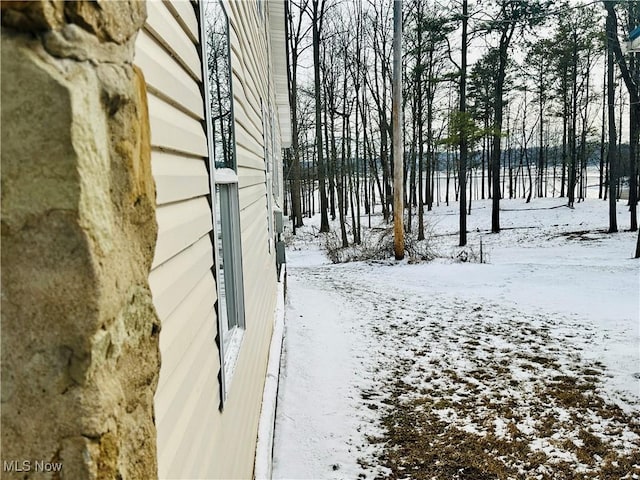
{"type": "Point", "coordinates": [272, 167]}
{"type": "Point", "coordinates": [260, 7]}
{"type": "Point", "coordinates": [275, 164]}
{"type": "Point", "coordinates": [267, 139]}
{"type": "Point", "coordinates": [229, 273]}
{"type": "Point", "coordinates": [224, 187]}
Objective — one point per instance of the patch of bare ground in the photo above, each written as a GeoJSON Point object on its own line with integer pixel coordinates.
{"type": "Point", "coordinates": [583, 235]}
{"type": "Point", "coordinates": [531, 408]}
{"type": "Point", "coordinates": [420, 444]}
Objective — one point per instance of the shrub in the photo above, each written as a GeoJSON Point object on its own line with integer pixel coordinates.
{"type": "Point", "coordinates": [377, 244]}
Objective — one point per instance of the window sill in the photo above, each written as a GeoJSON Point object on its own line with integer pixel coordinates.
{"type": "Point", "coordinates": [231, 353]}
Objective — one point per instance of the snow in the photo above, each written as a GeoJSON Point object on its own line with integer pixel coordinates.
{"type": "Point", "coordinates": [558, 301]}
{"type": "Point", "coordinates": [266, 426]}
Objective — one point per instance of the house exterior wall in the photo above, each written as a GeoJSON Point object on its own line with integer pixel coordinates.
{"type": "Point", "coordinates": [197, 439]}
{"type": "Point", "coordinates": [181, 279]}
{"type": "Point", "coordinates": [99, 103]}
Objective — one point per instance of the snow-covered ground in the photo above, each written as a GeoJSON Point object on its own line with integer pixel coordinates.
{"type": "Point", "coordinates": [527, 366]}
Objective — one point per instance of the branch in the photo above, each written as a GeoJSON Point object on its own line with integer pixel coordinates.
{"type": "Point", "coordinates": [632, 87]}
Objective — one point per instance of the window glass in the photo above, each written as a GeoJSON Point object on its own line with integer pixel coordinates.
{"type": "Point", "coordinates": [229, 264]}
{"type": "Point", "coordinates": [219, 73]}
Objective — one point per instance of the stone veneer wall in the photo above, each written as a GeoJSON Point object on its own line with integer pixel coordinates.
{"type": "Point", "coordinates": [80, 356]}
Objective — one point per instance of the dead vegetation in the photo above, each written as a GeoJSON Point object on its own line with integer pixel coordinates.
{"type": "Point", "coordinates": [507, 413]}
{"type": "Point", "coordinates": [583, 235]}
{"type": "Point", "coordinates": [377, 244]}
{"type": "Point", "coordinates": [419, 444]}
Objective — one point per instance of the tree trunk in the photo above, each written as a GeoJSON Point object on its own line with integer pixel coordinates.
{"type": "Point", "coordinates": [292, 64]}
{"type": "Point", "coordinates": [540, 172]}
{"type": "Point", "coordinates": [602, 130]}
{"type": "Point", "coordinates": [316, 22]}
{"type": "Point", "coordinates": [631, 80]}
{"type": "Point", "coordinates": [463, 132]}
{"type": "Point", "coordinates": [505, 39]}
{"type": "Point", "coordinates": [574, 117]}
{"type": "Point", "coordinates": [611, 32]}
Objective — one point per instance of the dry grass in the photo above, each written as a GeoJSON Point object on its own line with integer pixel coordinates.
{"type": "Point", "coordinates": [520, 410]}
{"type": "Point", "coordinates": [419, 444]}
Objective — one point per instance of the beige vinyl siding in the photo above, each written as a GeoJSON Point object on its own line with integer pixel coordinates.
{"type": "Point", "coordinates": [178, 177]}
{"type": "Point", "coordinates": [242, 408]}
{"type": "Point", "coordinates": [179, 224]}
{"type": "Point", "coordinates": [178, 41]}
{"type": "Point", "coordinates": [195, 438]}
{"type": "Point", "coordinates": [171, 81]}
{"type": "Point", "coordinates": [182, 283]}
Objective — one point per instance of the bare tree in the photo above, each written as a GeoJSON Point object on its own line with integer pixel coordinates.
{"type": "Point", "coordinates": [317, 15]}
{"type": "Point", "coordinates": [512, 16]}
{"type": "Point", "coordinates": [630, 72]}
{"type": "Point", "coordinates": [613, 180]}
{"type": "Point", "coordinates": [294, 33]}
{"type": "Point", "coordinates": [463, 135]}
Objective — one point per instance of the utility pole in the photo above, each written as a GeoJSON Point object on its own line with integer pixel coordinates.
{"type": "Point", "coordinates": [396, 119]}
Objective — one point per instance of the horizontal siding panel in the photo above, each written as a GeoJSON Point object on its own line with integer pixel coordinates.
{"type": "Point", "coordinates": [263, 268]}
{"type": "Point", "coordinates": [166, 76]}
{"type": "Point", "coordinates": [250, 195]}
{"type": "Point", "coordinates": [198, 447]}
{"type": "Point", "coordinates": [171, 282]}
{"type": "Point", "coordinates": [258, 212]}
{"type": "Point", "coordinates": [252, 110]}
{"type": "Point", "coordinates": [259, 38]}
{"type": "Point", "coordinates": [240, 116]}
{"type": "Point", "coordinates": [183, 380]}
{"type": "Point", "coordinates": [249, 143]}
{"type": "Point", "coordinates": [234, 42]}
{"type": "Point", "coordinates": [248, 159]}
{"type": "Point", "coordinates": [245, 91]}
{"type": "Point", "coordinates": [251, 115]}
{"type": "Point", "coordinates": [178, 178]}
{"type": "Point", "coordinates": [251, 129]}
{"type": "Point", "coordinates": [253, 103]}
{"type": "Point", "coordinates": [238, 87]}
{"type": "Point", "coordinates": [249, 44]}
{"type": "Point", "coordinates": [237, 79]}
{"type": "Point", "coordinates": [175, 403]}
{"type": "Point", "coordinates": [180, 225]}
{"type": "Point", "coordinates": [248, 177]}
{"type": "Point", "coordinates": [197, 460]}
{"type": "Point", "coordinates": [184, 12]}
{"type": "Point", "coordinates": [181, 328]}
{"type": "Point", "coordinates": [163, 27]}
{"type": "Point", "coordinates": [174, 130]}
{"type": "Point", "coordinates": [232, 12]}
{"type": "Point", "coordinates": [255, 234]}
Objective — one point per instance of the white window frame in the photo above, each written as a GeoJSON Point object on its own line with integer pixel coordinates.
{"type": "Point", "coordinates": [229, 278]}
{"type": "Point", "coordinates": [268, 166]}
{"type": "Point", "coordinates": [274, 158]}
{"type": "Point", "coordinates": [225, 235]}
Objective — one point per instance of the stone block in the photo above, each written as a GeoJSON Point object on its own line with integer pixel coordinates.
{"type": "Point", "coordinates": [80, 357]}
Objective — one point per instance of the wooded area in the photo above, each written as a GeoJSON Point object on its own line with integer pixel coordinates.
{"type": "Point", "coordinates": [500, 100]}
